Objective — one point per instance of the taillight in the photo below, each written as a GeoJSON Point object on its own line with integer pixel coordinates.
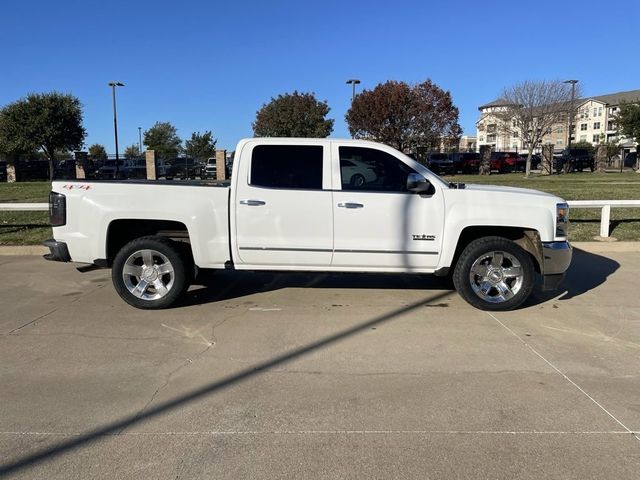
{"type": "Point", "coordinates": [57, 209]}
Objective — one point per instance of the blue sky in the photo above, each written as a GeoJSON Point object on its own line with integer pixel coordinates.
{"type": "Point", "coordinates": [211, 65]}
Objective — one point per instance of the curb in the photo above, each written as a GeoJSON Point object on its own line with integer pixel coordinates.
{"type": "Point", "coordinates": [591, 247]}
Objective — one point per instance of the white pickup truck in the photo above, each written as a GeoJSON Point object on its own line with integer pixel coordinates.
{"type": "Point", "coordinates": [319, 205]}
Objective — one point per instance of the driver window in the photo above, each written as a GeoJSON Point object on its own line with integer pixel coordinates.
{"type": "Point", "coordinates": [367, 169]}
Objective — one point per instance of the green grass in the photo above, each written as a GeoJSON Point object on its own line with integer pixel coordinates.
{"type": "Point", "coordinates": [24, 228]}
{"type": "Point", "coordinates": [585, 223]}
{"type": "Point", "coordinates": [31, 228]}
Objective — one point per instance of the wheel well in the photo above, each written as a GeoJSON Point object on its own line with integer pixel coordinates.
{"type": "Point", "coordinates": [527, 239]}
{"type": "Point", "coordinates": [121, 232]}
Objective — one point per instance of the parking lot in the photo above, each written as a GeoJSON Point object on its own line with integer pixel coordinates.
{"type": "Point", "coordinates": [319, 376]}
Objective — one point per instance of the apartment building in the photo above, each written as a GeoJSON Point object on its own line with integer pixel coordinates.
{"type": "Point", "coordinates": [593, 123]}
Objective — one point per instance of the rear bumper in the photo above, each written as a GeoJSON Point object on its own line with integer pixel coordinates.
{"type": "Point", "coordinates": [58, 251]}
{"type": "Point", "coordinates": [556, 258]}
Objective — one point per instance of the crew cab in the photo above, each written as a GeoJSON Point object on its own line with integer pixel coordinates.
{"type": "Point", "coordinates": [293, 204]}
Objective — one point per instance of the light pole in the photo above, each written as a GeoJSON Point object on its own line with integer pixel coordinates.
{"type": "Point", "coordinates": [573, 94]}
{"type": "Point", "coordinates": [353, 82]}
{"type": "Point", "coordinates": [140, 140]}
{"type": "Point", "coordinates": [113, 86]}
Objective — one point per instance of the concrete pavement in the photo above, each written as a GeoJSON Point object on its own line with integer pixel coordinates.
{"type": "Point", "coordinates": [318, 376]}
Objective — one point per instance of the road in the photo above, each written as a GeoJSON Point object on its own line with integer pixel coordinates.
{"type": "Point", "coordinates": [318, 376]}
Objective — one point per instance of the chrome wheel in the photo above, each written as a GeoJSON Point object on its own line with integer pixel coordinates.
{"type": "Point", "coordinates": [496, 276]}
{"type": "Point", "coordinates": [148, 274]}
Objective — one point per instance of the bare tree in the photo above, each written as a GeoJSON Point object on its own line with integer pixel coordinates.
{"type": "Point", "coordinates": [531, 109]}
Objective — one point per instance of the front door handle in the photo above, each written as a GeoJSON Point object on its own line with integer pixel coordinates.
{"type": "Point", "coordinates": [252, 203]}
{"type": "Point", "coordinates": [350, 205]}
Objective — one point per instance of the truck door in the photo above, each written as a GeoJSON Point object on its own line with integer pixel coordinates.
{"type": "Point", "coordinates": [378, 224]}
{"type": "Point", "coordinates": [283, 205]}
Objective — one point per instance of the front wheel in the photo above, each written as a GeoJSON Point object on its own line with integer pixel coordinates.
{"type": "Point", "coordinates": [149, 273]}
{"type": "Point", "coordinates": [493, 273]}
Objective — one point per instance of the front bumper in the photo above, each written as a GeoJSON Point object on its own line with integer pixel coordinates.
{"type": "Point", "coordinates": [58, 251]}
{"type": "Point", "coordinates": [556, 258]}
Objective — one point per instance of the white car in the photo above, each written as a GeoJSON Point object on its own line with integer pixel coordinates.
{"type": "Point", "coordinates": [356, 173]}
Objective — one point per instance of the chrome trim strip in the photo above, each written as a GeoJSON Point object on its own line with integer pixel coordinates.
{"type": "Point", "coordinates": [396, 252]}
{"type": "Point", "coordinates": [325, 250]}
{"type": "Point", "coordinates": [278, 249]}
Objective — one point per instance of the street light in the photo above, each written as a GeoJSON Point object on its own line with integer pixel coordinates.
{"type": "Point", "coordinates": [353, 82]}
{"type": "Point", "coordinates": [113, 86]}
{"type": "Point", "coordinates": [140, 140]}
{"type": "Point", "coordinates": [573, 94]}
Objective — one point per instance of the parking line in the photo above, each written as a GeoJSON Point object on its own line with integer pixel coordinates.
{"type": "Point", "coordinates": [628, 430]}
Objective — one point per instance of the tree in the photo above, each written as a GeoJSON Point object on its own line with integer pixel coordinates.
{"type": "Point", "coordinates": [293, 115]}
{"type": "Point", "coordinates": [132, 151]}
{"type": "Point", "coordinates": [583, 145]}
{"type": "Point", "coordinates": [405, 116]}
{"type": "Point", "coordinates": [163, 138]}
{"type": "Point", "coordinates": [97, 152]}
{"type": "Point", "coordinates": [47, 121]}
{"type": "Point", "coordinates": [628, 120]}
{"type": "Point", "coordinates": [531, 109]}
{"type": "Point", "coordinates": [200, 146]}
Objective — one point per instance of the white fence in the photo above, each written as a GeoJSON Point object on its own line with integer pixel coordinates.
{"type": "Point", "coordinates": [24, 207]}
{"type": "Point", "coordinates": [605, 205]}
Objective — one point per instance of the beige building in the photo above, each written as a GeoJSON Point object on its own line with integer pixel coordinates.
{"type": "Point", "coordinates": [593, 123]}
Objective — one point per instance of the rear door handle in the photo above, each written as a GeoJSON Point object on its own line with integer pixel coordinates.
{"type": "Point", "coordinates": [252, 203]}
{"type": "Point", "coordinates": [350, 205]}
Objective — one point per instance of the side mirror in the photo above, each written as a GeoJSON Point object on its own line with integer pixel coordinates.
{"type": "Point", "coordinates": [418, 184]}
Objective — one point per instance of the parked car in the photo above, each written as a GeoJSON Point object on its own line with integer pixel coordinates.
{"type": "Point", "coordinates": [506, 161]}
{"type": "Point", "coordinates": [184, 168]}
{"type": "Point", "coordinates": [357, 173]}
{"type": "Point", "coordinates": [108, 170]}
{"type": "Point", "coordinates": [211, 168]}
{"type": "Point", "coordinates": [440, 163]}
{"type": "Point", "coordinates": [466, 162]}
{"type": "Point", "coordinates": [576, 159]}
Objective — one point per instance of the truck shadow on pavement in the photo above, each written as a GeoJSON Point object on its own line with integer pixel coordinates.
{"type": "Point", "coordinates": [587, 272]}
{"type": "Point", "coordinates": [216, 286]}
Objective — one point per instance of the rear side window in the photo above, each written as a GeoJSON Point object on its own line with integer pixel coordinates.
{"type": "Point", "coordinates": [287, 166]}
{"type": "Point", "coordinates": [366, 169]}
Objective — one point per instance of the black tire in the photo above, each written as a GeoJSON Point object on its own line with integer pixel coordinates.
{"type": "Point", "coordinates": [493, 273]}
{"type": "Point", "coordinates": [150, 273]}
{"type": "Point", "coordinates": [357, 180]}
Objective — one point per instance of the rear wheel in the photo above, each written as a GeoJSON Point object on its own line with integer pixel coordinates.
{"type": "Point", "coordinates": [150, 273]}
{"type": "Point", "coordinates": [493, 273]}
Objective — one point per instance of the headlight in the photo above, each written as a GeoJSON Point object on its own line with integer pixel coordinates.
{"type": "Point", "coordinates": [562, 219]}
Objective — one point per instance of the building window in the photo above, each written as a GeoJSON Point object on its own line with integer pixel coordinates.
{"type": "Point", "coordinates": [583, 138]}
{"type": "Point", "coordinates": [596, 125]}
{"type": "Point", "coordinates": [583, 127]}
{"type": "Point", "coordinates": [599, 111]}
{"type": "Point", "coordinates": [613, 110]}
{"type": "Point", "coordinates": [596, 138]}
{"type": "Point", "coordinates": [491, 128]}
{"type": "Point", "coordinates": [481, 139]}
{"type": "Point", "coordinates": [491, 138]}
{"type": "Point", "coordinates": [515, 134]}
{"type": "Point", "coordinates": [611, 126]}
{"type": "Point", "coordinates": [515, 145]}
{"type": "Point", "coordinates": [559, 142]}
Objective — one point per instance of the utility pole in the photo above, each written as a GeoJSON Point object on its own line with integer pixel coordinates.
{"type": "Point", "coordinates": [353, 82]}
{"type": "Point", "coordinates": [113, 86]}
{"type": "Point", "coordinates": [140, 140]}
